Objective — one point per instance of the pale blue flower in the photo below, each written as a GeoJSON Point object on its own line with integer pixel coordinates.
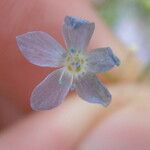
{"type": "Point", "coordinates": [77, 67]}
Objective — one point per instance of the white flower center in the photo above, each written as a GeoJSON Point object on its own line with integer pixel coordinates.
{"type": "Point", "coordinates": [75, 62]}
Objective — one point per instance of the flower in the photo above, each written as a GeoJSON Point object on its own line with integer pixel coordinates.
{"type": "Point", "coordinates": [77, 67]}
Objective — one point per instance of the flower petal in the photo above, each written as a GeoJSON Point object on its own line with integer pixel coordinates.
{"type": "Point", "coordinates": [92, 90]}
{"type": "Point", "coordinates": [101, 60]}
{"type": "Point", "coordinates": [51, 92]}
{"type": "Point", "coordinates": [77, 32]}
{"type": "Point", "coordinates": [41, 49]}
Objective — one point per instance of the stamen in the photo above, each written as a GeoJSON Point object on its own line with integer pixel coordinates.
{"type": "Point", "coordinates": [75, 62]}
{"type": "Point", "coordinates": [72, 50]}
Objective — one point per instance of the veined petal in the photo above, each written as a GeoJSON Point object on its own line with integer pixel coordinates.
{"type": "Point", "coordinates": [77, 32]}
{"type": "Point", "coordinates": [101, 60]}
{"type": "Point", "coordinates": [51, 91]}
{"type": "Point", "coordinates": [41, 49]}
{"type": "Point", "coordinates": [92, 90]}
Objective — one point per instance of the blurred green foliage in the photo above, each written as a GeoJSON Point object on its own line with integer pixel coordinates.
{"type": "Point", "coordinates": [145, 4]}
{"type": "Point", "coordinates": [109, 9]}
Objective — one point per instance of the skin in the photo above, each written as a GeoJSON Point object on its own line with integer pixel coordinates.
{"type": "Point", "coordinates": [75, 124]}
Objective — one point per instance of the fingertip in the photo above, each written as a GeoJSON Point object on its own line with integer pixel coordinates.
{"type": "Point", "coordinates": [126, 129]}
